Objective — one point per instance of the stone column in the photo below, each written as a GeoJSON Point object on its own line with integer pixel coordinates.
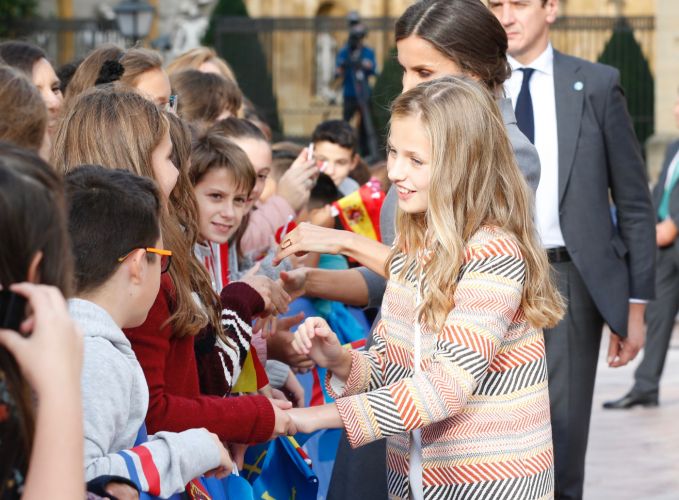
{"type": "Point", "coordinates": [666, 82]}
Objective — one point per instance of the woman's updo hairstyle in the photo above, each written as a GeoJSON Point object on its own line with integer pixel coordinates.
{"type": "Point", "coordinates": [466, 32]}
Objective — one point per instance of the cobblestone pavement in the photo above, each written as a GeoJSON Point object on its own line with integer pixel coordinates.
{"type": "Point", "coordinates": [634, 454]}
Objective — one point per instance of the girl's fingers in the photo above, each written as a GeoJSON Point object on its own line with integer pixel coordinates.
{"type": "Point", "coordinates": [300, 340]}
{"type": "Point", "coordinates": [27, 325]}
{"type": "Point", "coordinates": [252, 271]}
{"type": "Point", "coordinates": [11, 340]}
{"type": "Point", "coordinates": [322, 331]}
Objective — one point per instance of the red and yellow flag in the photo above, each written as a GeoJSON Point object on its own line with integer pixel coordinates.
{"type": "Point", "coordinates": [360, 211]}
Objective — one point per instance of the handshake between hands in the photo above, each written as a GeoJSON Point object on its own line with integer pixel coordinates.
{"type": "Point", "coordinates": [314, 339]}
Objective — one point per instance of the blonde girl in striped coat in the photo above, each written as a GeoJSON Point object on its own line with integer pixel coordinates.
{"type": "Point", "coordinates": [456, 380]}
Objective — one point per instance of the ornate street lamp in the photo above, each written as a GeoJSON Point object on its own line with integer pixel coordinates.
{"type": "Point", "coordinates": [134, 19]}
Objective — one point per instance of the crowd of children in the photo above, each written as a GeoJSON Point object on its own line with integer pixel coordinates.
{"type": "Point", "coordinates": [170, 201]}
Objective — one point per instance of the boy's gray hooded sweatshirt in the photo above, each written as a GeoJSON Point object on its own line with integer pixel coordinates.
{"type": "Point", "coordinates": [115, 401]}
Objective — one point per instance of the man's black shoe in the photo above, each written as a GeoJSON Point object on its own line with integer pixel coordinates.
{"type": "Point", "coordinates": [630, 400]}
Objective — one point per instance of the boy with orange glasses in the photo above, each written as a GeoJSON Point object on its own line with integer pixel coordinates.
{"type": "Point", "coordinates": [115, 233]}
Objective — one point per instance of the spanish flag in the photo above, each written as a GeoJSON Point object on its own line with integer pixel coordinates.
{"type": "Point", "coordinates": [252, 376]}
{"type": "Point", "coordinates": [360, 211]}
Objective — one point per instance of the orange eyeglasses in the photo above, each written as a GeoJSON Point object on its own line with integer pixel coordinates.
{"type": "Point", "coordinates": [165, 257]}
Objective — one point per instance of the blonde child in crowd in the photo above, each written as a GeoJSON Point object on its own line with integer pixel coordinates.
{"type": "Point", "coordinates": [459, 353]}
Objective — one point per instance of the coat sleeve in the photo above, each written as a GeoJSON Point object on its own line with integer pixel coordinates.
{"type": "Point", "coordinates": [160, 467]}
{"type": "Point", "coordinates": [465, 348]}
{"type": "Point", "coordinates": [526, 156]}
{"type": "Point", "coordinates": [629, 190]}
{"type": "Point", "coordinates": [243, 419]}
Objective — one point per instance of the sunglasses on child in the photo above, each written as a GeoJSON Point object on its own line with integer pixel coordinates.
{"type": "Point", "coordinates": [165, 257]}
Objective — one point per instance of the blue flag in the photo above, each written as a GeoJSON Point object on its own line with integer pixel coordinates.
{"type": "Point", "coordinates": [278, 471]}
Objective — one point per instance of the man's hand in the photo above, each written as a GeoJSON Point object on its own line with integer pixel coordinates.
{"type": "Point", "coordinates": [665, 232]}
{"type": "Point", "coordinates": [623, 350]}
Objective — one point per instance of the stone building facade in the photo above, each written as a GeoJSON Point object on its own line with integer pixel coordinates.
{"type": "Point", "coordinates": [304, 98]}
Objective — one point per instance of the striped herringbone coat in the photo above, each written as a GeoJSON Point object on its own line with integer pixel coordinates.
{"type": "Point", "coordinates": [480, 397]}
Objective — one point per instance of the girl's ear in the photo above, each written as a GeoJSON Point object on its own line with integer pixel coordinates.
{"type": "Point", "coordinates": [33, 275]}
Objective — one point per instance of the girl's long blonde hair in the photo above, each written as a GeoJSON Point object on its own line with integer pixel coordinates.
{"type": "Point", "coordinates": [475, 181]}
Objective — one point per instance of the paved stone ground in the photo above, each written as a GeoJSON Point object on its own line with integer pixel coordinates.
{"type": "Point", "coordinates": [634, 454]}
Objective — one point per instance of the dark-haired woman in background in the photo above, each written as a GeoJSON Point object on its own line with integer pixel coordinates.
{"type": "Point", "coordinates": [32, 60]}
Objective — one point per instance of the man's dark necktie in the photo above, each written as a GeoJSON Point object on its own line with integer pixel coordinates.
{"type": "Point", "coordinates": [524, 107]}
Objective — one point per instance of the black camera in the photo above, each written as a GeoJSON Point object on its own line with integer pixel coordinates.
{"type": "Point", "coordinates": [12, 310]}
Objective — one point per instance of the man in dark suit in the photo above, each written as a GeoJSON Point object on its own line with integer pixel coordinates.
{"type": "Point", "coordinates": [575, 113]}
{"type": "Point", "coordinates": [661, 312]}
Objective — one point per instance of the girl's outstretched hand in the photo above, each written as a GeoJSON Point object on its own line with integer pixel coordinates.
{"type": "Point", "coordinates": [315, 339]}
{"type": "Point", "coordinates": [316, 417]}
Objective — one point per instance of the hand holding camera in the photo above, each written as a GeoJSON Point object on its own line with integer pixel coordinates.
{"type": "Point", "coordinates": [49, 349]}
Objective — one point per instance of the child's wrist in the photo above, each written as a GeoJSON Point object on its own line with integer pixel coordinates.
{"type": "Point", "coordinates": [342, 366]}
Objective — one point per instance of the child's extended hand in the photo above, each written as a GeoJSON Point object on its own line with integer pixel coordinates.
{"type": "Point", "coordinates": [225, 463]}
{"type": "Point", "coordinates": [294, 282]}
{"type": "Point", "coordinates": [315, 339]}
{"type": "Point", "coordinates": [283, 426]}
{"type": "Point", "coordinates": [50, 357]}
{"type": "Point", "coordinates": [296, 183]}
{"type": "Point", "coordinates": [276, 299]}
{"type": "Point", "coordinates": [316, 417]}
